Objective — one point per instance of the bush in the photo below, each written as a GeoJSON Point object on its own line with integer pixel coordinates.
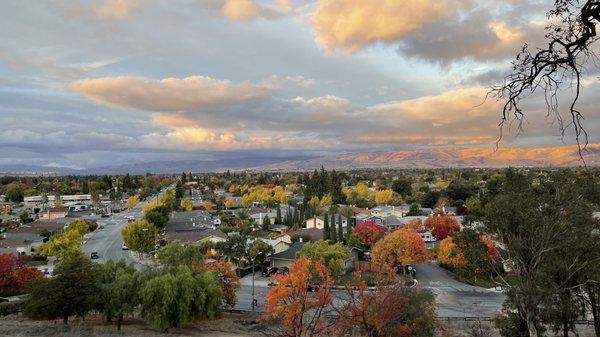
{"type": "Point", "coordinates": [9, 308]}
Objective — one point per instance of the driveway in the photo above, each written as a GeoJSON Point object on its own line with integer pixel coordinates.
{"type": "Point", "coordinates": [457, 299]}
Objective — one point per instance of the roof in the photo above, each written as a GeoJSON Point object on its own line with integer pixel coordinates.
{"type": "Point", "coordinates": [314, 234]}
{"type": "Point", "coordinates": [290, 254]}
{"type": "Point", "coordinates": [188, 220]}
{"type": "Point", "coordinates": [38, 227]}
{"type": "Point", "coordinates": [195, 235]}
{"type": "Point", "coordinates": [14, 243]}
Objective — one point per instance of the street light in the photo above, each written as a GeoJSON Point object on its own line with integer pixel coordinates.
{"type": "Point", "coordinates": [254, 301]}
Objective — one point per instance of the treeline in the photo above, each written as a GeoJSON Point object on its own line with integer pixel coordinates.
{"type": "Point", "coordinates": [182, 288]}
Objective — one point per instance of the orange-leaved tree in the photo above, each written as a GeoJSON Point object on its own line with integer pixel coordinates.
{"type": "Point", "coordinates": [301, 300]}
{"type": "Point", "coordinates": [414, 224]}
{"type": "Point", "coordinates": [448, 254]}
{"type": "Point", "coordinates": [228, 280]}
{"type": "Point", "coordinates": [388, 311]}
{"type": "Point", "coordinates": [442, 226]}
{"type": "Point", "coordinates": [399, 248]}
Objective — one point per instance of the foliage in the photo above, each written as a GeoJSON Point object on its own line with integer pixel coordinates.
{"type": "Point", "coordinates": [228, 280]}
{"type": "Point", "coordinates": [388, 311]}
{"type": "Point", "coordinates": [369, 232]}
{"type": "Point", "coordinates": [401, 247]}
{"type": "Point", "coordinates": [71, 291]}
{"type": "Point", "coordinates": [258, 252]}
{"type": "Point", "coordinates": [15, 276]}
{"type": "Point", "coordinates": [180, 296]}
{"type": "Point", "coordinates": [132, 201]}
{"type": "Point", "coordinates": [233, 249]}
{"type": "Point", "coordinates": [383, 197]}
{"type": "Point", "coordinates": [177, 254]}
{"type": "Point", "coordinates": [157, 218]}
{"type": "Point", "coordinates": [118, 286]}
{"type": "Point", "coordinates": [67, 244]}
{"type": "Point", "coordinates": [291, 302]}
{"type": "Point", "coordinates": [332, 255]}
{"type": "Point", "coordinates": [140, 236]}
{"type": "Point", "coordinates": [442, 226]}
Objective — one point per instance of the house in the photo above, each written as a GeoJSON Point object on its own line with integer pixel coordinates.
{"type": "Point", "coordinates": [319, 221]}
{"type": "Point", "coordinates": [40, 227]}
{"type": "Point", "coordinates": [197, 235]}
{"type": "Point", "coordinates": [308, 234]}
{"type": "Point", "coordinates": [365, 217]}
{"type": "Point", "coordinates": [53, 213]}
{"type": "Point", "coordinates": [287, 257]}
{"type": "Point", "coordinates": [385, 211]}
{"type": "Point", "coordinates": [190, 220]}
{"type": "Point", "coordinates": [278, 245]}
{"type": "Point", "coordinates": [21, 244]}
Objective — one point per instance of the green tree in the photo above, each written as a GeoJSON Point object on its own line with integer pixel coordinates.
{"type": "Point", "coordinates": [179, 297]}
{"type": "Point", "coordinates": [402, 187]}
{"type": "Point", "coordinates": [278, 219]}
{"type": "Point", "coordinates": [258, 252]}
{"type": "Point", "coordinates": [333, 255]}
{"type": "Point", "coordinates": [25, 218]}
{"type": "Point", "coordinates": [326, 228]}
{"type": "Point", "coordinates": [266, 224]}
{"type": "Point", "coordinates": [157, 218]}
{"type": "Point", "coordinates": [333, 230]}
{"type": "Point", "coordinates": [71, 291]}
{"type": "Point", "coordinates": [177, 253]}
{"type": "Point", "coordinates": [140, 236]}
{"type": "Point", "coordinates": [340, 234]}
{"type": "Point", "coordinates": [119, 290]}
{"type": "Point", "coordinates": [233, 249]}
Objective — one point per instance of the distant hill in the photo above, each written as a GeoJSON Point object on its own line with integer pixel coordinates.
{"type": "Point", "coordinates": [562, 156]}
{"type": "Point", "coordinates": [441, 158]}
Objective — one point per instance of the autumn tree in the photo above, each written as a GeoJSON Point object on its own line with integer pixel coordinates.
{"type": "Point", "coordinates": [132, 201]}
{"type": "Point", "coordinates": [228, 280]}
{"type": "Point", "coordinates": [369, 232]}
{"type": "Point", "coordinates": [388, 311]}
{"type": "Point", "coordinates": [383, 197]}
{"type": "Point", "coordinates": [448, 254]}
{"type": "Point", "coordinates": [15, 275]}
{"type": "Point", "coordinates": [140, 236]}
{"type": "Point", "coordinates": [301, 312]}
{"type": "Point", "coordinates": [186, 204]}
{"type": "Point", "coordinates": [399, 248]}
{"type": "Point", "coordinates": [442, 226]}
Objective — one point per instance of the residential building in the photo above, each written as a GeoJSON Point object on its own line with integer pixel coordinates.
{"type": "Point", "coordinates": [286, 258]}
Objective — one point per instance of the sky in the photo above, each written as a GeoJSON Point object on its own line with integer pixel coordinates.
{"type": "Point", "coordinates": [106, 82]}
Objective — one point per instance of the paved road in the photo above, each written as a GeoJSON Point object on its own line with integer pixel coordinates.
{"type": "Point", "coordinates": [457, 299]}
{"type": "Point", "coordinates": [108, 242]}
{"type": "Point", "coordinates": [454, 299]}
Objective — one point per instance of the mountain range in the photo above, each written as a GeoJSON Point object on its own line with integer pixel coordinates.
{"type": "Point", "coordinates": [560, 156]}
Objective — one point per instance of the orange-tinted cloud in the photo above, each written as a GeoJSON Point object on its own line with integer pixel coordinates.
{"type": "Point", "coordinates": [169, 94]}
{"type": "Point", "coordinates": [349, 25]}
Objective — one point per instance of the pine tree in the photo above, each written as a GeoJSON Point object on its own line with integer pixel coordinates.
{"type": "Point", "coordinates": [326, 227]}
{"type": "Point", "coordinates": [340, 229]}
{"type": "Point", "coordinates": [278, 216]}
{"type": "Point", "coordinates": [266, 225]}
{"type": "Point", "coordinates": [332, 231]}
{"type": "Point", "coordinates": [350, 223]}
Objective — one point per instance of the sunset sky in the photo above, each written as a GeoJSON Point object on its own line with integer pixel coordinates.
{"type": "Point", "coordinates": [103, 82]}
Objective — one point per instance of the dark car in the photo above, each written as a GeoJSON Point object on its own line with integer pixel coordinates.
{"type": "Point", "coordinates": [269, 271]}
{"type": "Point", "coordinates": [94, 256]}
{"type": "Point", "coordinates": [105, 215]}
{"type": "Point", "coordinates": [283, 271]}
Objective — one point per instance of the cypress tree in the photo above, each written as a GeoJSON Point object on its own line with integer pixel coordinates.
{"type": "Point", "coordinates": [278, 216]}
{"type": "Point", "coordinates": [350, 220]}
{"type": "Point", "coordinates": [332, 231]}
{"type": "Point", "coordinates": [340, 229]}
{"type": "Point", "coordinates": [326, 227]}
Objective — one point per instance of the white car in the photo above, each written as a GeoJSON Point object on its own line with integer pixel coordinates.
{"type": "Point", "coordinates": [124, 247]}
{"type": "Point", "coordinates": [129, 217]}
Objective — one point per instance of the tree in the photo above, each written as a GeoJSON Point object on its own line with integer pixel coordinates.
{"type": "Point", "coordinates": [414, 210]}
{"type": "Point", "coordinates": [340, 233]}
{"type": "Point", "coordinates": [402, 187]}
{"type": "Point", "coordinates": [186, 204]}
{"type": "Point", "coordinates": [369, 232]}
{"type": "Point", "coordinates": [258, 252]}
{"type": "Point", "coordinates": [442, 226]}
{"type": "Point", "coordinates": [399, 248]}
{"type": "Point", "coordinates": [177, 254]}
{"type": "Point", "coordinates": [15, 276]}
{"type": "Point", "coordinates": [552, 69]}
{"type": "Point", "coordinates": [208, 205]}
{"type": "Point", "coordinates": [71, 291]}
{"type": "Point", "coordinates": [383, 197]}
{"type": "Point", "coordinates": [448, 254]}
{"type": "Point", "coordinates": [278, 219]}
{"type": "Point", "coordinates": [233, 249]}
{"type": "Point", "coordinates": [291, 302]}
{"type": "Point", "coordinates": [25, 218]}
{"type": "Point", "coordinates": [326, 229]}
{"type": "Point", "coordinates": [140, 236]}
{"type": "Point", "coordinates": [473, 252]}
{"type": "Point", "coordinates": [266, 224]}
{"type": "Point", "coordinates": [333, 232]}
{"type": "Point", "coordinates": [332, 255]}
{"type": "Point", "coordinates": [64, 245]}
{"type": "Point", "coordinates": [119, 286]}
{"type": "Point", "coordinates": [157, 218]}
{"type": "Point", "coordinates": [228, 280]}
{"type": "Point", "coordinates": [179, 297]}
{"type": "Point", "coordinates": [388, 311]}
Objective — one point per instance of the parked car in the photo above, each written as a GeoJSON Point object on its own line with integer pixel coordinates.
{"type": "Point", "coordinates": [105, 215]}
{"type": "Point", "coordinates": [101, 227]}
{"type": "Point", "coordinates": [283, 271]}
{"type": "Point", "coordinates": [94, 256]}
{"type": "Point", "coordinates": [124, 247]}
{"type": "Point", "coordinates": [269, 271]}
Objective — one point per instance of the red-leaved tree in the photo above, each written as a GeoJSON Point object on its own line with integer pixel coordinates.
{"type": "Point", "coordinates": [369, 232]}
{"type": "Point", "coordinates": [442, 226]}
{"type": "Point", "coordinates": [15, 275]}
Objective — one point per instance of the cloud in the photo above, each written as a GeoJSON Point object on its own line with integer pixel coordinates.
{"type": "Point", "coordinates": [169, 94]}
{"type": "Point", "coordinates": [116, 9]}
{"type": "Point", "coordinates": [248, 10]}
{"type": "Point", "coordinates": [347, 26]}
{"type": "Point", "coordinates": [301, 81]}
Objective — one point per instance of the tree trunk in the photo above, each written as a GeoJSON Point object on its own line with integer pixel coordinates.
{"type": "Point", "coordinates": [595, 306]}
{"type": "Point", "coordinates": [65, 319]}
{"type": "Point", "coordinates": [119, 321]}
